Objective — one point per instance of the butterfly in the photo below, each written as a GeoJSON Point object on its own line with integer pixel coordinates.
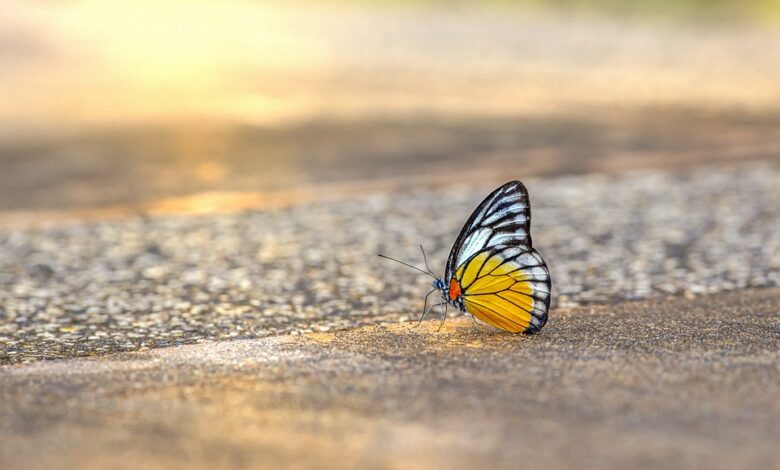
{"type": "Point", "coordinates": [493, 272]}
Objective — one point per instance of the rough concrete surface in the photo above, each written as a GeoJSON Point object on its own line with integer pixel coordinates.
{"type": "Point", "coordinates": [675, 383]}
{"type": "Point", "coordinates": [86, 288]}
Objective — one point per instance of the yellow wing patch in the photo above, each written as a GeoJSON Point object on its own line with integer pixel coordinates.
{"type": "Point", "coordinates": [469, 271]}
{"type": "Point", "coordinates": [501, 293]}
{"type": "Point", "coordinates": [494, 310]}
{"type": "Point", "coordinates": [491, 318]}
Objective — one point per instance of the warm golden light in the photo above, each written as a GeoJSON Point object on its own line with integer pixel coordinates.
{"type": "Point", "coordinates": [151, 59]}
{"type": "Point", "coordinates": [87, 62]}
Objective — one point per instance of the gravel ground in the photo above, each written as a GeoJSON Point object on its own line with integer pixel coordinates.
{"type": "Point", "coordinates": [98, 287]}
{"type": "Point", "coordinates": [662, 383]}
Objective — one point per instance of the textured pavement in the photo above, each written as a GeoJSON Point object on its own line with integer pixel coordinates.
{"type": "Point", "coordinates": [673, 383]}
{"type": "Point", "coordinates": [84, 288]}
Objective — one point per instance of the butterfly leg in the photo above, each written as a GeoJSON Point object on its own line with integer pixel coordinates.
{"type": "Point", "coordinates": [474, 325]}
{"type": "Point", "coordinates": [425, 307]}
{"type": "Point", "coordinates": [426, 312]}
{"type": "Point", "coordinates": [443, 317]}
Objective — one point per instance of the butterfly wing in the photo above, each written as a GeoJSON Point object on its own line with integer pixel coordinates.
{"type": "Point", "coordinates": [503, 280]}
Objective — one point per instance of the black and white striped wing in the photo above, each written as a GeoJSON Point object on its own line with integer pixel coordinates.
{"type": "Point", "coordinates": [502, 279]}
{"type": "Point", "coordinates": [502, 219]}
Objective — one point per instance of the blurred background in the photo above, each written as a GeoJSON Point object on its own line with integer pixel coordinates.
{"type": "Point", "coordinates": [115, 105]}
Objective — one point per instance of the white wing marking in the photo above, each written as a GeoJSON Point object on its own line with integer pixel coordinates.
{"type": "Point", "coordinates": [474, 242]}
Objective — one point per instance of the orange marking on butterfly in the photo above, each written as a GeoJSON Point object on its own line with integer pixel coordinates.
{"type": "Point", "coordinates": [454, 289]}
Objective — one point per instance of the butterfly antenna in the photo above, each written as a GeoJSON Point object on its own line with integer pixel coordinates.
{"type": "Point", "coordinates": [425, 258]}
{"type": "Point", "coordinates": [408, 265]}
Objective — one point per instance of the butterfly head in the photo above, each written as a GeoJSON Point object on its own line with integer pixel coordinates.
{"type": "Point", "coordinates": [450, 293]}
{"type": "Point", "coordinates": [442, 287]}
